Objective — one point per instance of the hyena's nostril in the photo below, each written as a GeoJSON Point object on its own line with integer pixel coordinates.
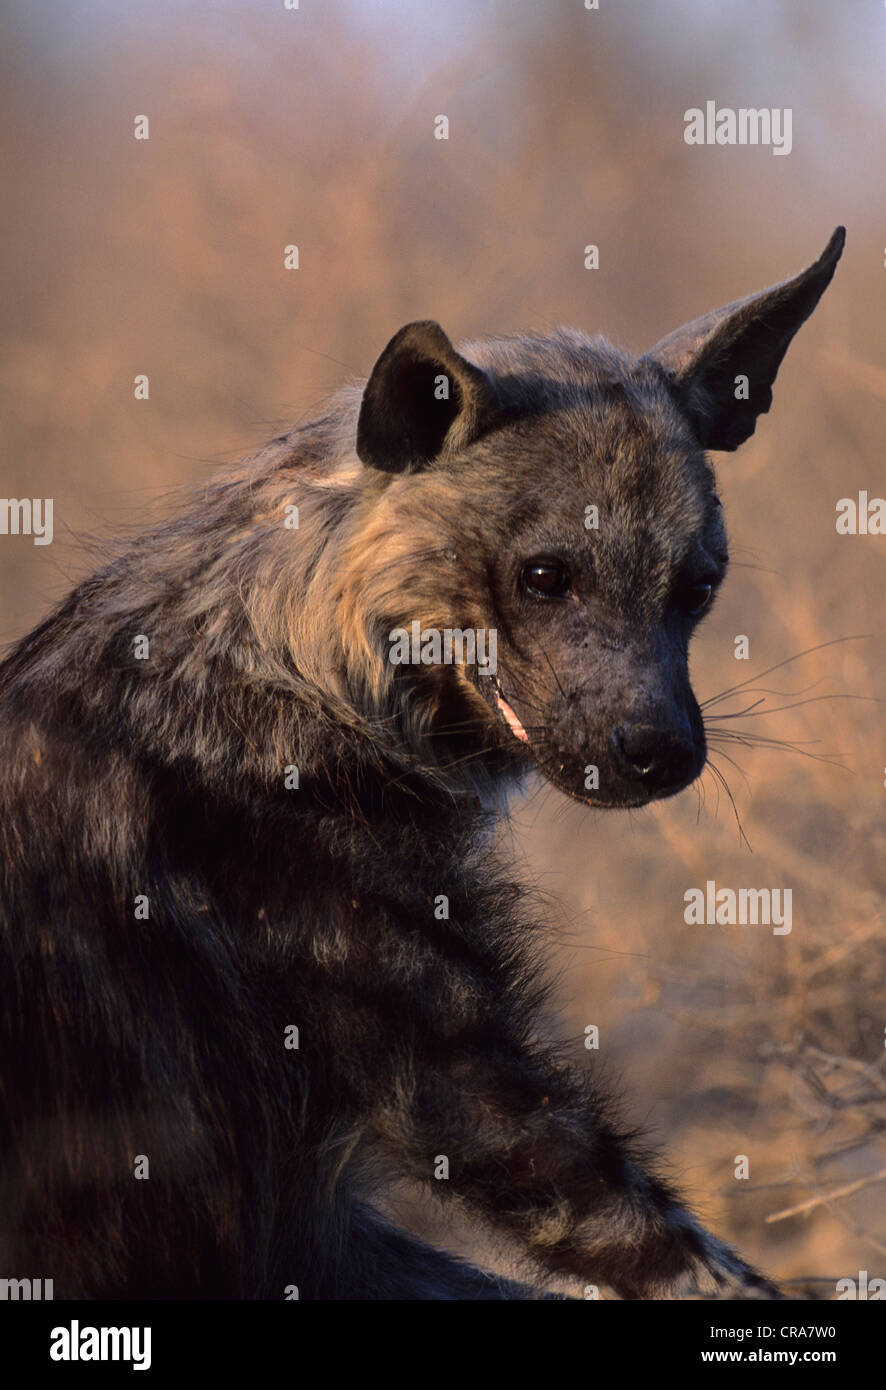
{"type": "Point", "coordinates": [659, 757]}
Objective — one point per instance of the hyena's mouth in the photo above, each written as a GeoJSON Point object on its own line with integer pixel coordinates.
{"type": "Point", "coordinates": [622, 797]}
{"type": "Point", "coordinates": [509, 715]}
{"type": "Point", "coordinates": [506, 711]}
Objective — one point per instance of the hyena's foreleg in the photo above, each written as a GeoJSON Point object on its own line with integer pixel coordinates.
{"type": "Point", "coordinates": [382, 1262]}
{"type": "Point", "coordinates": [532, 1150]}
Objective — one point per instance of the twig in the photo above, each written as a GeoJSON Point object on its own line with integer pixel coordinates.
{"type": "Point", "coordinates": [827, 1197]}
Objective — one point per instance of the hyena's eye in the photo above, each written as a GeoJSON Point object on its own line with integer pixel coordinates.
{"type": "Point", "coordinates": [546, 578]}
{"type": "Point", "coordinates": [698, 598]}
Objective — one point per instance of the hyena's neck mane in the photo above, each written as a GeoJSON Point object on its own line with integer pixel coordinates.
{"type": "Point", "coordinates": [245, 638]}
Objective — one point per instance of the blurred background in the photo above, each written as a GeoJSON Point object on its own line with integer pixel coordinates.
{"type": "Point", "coordinates": [315, 127]}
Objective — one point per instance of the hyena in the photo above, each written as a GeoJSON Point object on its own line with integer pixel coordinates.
{"type": "Point", "coordinates": [261, 958]}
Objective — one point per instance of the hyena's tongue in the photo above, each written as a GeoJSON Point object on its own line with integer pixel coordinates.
{"type": "Point", "coordinates": [513, 722]}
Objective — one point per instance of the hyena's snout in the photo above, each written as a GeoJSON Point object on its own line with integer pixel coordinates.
{"type": "Point", "coordinates": [633, 738]}
{"type": "Point", "coordinates": [657, 752]}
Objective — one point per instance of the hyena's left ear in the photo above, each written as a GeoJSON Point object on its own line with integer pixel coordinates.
{"type": "Point", "coordinates": [422, 398]}
{"type": "Point", "coordinates": [709, 358]}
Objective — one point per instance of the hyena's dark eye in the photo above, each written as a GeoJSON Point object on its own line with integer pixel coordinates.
{"type": "Point", "coordinates": [698, 597]}
{"type": "Point", "coordinates": [546, 578]}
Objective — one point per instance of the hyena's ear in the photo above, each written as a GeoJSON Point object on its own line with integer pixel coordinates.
{"type": "Point", "coordinates": [709, 358]}
{"type": "Point", "coordinates": [422, 397]}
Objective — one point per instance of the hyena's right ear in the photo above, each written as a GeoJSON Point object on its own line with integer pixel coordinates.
{"type": "Point", "coordinates": [724, 364]}
{"type": "Point", "coordinates": [422, 399]}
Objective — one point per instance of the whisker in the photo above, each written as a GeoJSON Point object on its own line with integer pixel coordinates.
{"type": "Point", "coordinates": [739, 769]}
{"type": "Point", "coordinates": [550, 665]}
{"type": "Point", "coordinates": [834, 641]}
{"type": "Point", "coordinates": [798, 704]}
{"type": "Point", "coordinates": [761, 690]}
{"type": "Point", "coordinates": [722, 780]}
{"type": "Point", "coordinates": [520, 686]}
{"type": "Point", "coordinates": [746, 739]}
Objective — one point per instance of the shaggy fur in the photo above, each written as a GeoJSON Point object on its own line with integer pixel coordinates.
{"type": "Point", "coordinates": [271, 905]}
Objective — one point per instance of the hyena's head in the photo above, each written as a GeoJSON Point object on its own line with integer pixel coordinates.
{"type": "Point", "coordinates": [551, 497]}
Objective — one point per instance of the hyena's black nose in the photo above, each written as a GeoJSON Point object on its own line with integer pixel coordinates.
{"type": "Point", "coordinates": [656, 757]}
